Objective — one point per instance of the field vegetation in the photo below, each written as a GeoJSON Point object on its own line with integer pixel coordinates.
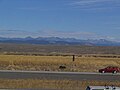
{"type": "Point", "coordinates": [52, 63]}
{"type": "Point", "coordinates": [50, 58]}
{"type": "Point", "coordinates": [57, 49]}
{"type": "Point", "coordinates": [52, 84]}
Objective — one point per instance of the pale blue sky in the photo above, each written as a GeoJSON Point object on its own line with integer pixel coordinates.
{"type": "Point", "coordinates": [84, 19]}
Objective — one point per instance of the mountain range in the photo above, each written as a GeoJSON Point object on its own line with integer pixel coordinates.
{"type": "Point", "coordinates": [59, 41]}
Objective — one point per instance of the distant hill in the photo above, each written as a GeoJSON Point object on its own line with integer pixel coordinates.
{"type": "Point", "coordinates": [59, 41]}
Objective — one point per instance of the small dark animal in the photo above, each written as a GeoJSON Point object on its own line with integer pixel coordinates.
{"type": "Point", "coordinates": [62, 67]}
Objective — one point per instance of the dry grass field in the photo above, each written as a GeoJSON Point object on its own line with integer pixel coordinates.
{"type": "Point", "coordinates": [52, 63]}
{"type": "Point", "coordinates": [9, 48]}
{"type": "Point", "coordinates": [52, 84]}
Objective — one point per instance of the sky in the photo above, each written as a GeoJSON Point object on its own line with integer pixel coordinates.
{"type": "Point", "coordinates": [82, 19]}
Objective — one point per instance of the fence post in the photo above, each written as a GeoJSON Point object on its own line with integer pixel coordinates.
{"type": "Point", "coordinates": [73, 58]}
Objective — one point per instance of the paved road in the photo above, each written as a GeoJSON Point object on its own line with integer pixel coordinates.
{"type": "Point", "coordinates": [58, 75]}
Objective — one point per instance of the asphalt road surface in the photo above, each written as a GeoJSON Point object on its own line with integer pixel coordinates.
{"type": "Point", "coordinates": [58, 75]}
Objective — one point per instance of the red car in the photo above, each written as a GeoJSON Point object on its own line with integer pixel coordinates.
{"type": "Point", "coordinates": [110, 69]}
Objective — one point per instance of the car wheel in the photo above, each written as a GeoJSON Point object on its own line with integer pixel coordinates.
{"type": "Point", "coordinates": [103, 71]}
{"type": "Point", "coordinates": [114, 72]}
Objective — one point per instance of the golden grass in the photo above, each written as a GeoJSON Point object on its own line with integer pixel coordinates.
{"type": "Point", "coordinates": [21, 62]}
{"type": "Point", "coordinates": [52, 63]}
{"type": "Point", "coordinates": [52, 84]}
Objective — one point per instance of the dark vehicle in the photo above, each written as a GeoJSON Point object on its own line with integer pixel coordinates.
{"type": "Point", "coordinates": [110, 69]}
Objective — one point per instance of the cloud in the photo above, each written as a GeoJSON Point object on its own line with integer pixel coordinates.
{"type": "Point", "coordinates": [89, 2]}
{"type": "Point", "coordinates": [96, 4]}
{"type": "Point", "coordinates": [53, 33]}
{"type": "Point", "coordinates": [15, 33]}
{"type": "Point", "coordinates": [72, 34]}
{"type": "Point", "coordinates": [36, 8]}
{"type": "Point", "coordinates": [77, 35]}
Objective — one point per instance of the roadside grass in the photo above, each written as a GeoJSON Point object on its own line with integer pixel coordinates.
{"type": "Point", "coordinates": [52, 63]}
{"type": "Point", "coordinates": [52, 84]}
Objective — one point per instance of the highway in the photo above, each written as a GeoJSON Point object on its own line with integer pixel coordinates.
{"type": "Point", "coordinates": [58, 75]}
